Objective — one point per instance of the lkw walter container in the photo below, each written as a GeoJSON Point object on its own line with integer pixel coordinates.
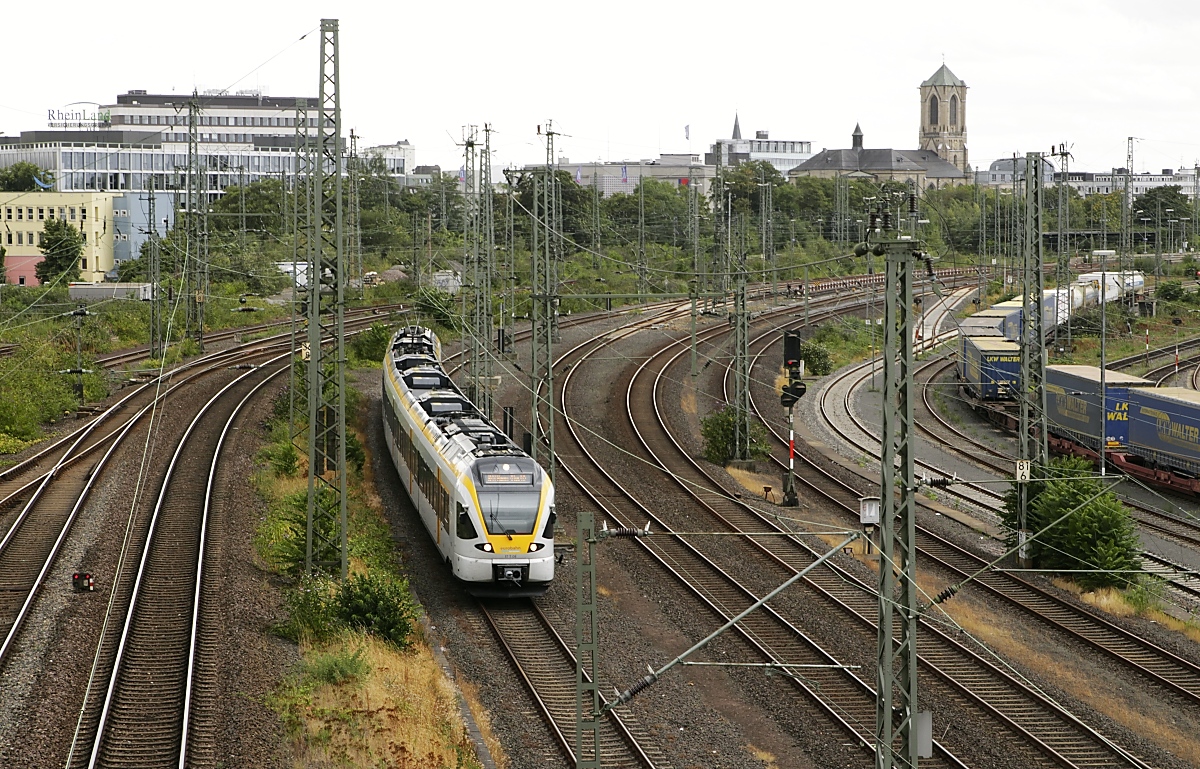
{"type": "Point", "coordinates": [1164, 427]}
{"type": "Point", "coordinates": [990, 367]}
{"type": "Point", "coordinates": [1073, 404]}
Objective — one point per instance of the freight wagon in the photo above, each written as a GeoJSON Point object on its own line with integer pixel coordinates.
{"type": "Point", "coordinates": [989, 367]}
{"type": "Point", "coordinates": [1073, 408]}
{"type": "Point", "coordinates": [989, 322]}
{"type": "Point", "coordinates": [1164, 430]}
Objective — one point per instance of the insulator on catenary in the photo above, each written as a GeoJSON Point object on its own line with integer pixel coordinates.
{"type": "Point", "coordinates": [946, 594]}
{"type": "Point", "coordinates": [632, 691]}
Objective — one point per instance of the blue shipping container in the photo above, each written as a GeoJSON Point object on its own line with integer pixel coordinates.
{"type": "Point", "coordinates": [1073, 404]}
{"type": "Point", "coordinates": [990, 367]}
{"type": "Point", "coordinates": [1164, 427]}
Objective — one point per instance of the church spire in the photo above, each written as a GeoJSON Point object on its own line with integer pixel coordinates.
{"type": "Point", "coordinates": [737, 129]}
{"type": "Point", "coordinates": [856, 138]}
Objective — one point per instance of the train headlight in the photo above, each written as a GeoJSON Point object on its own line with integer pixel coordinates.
{"type": "Point", "coordinates": [484, 546]}
{"type": "Point", "coordinates": [535, 546]}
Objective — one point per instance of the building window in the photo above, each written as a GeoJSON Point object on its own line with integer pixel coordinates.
{"type": "Point", "coordinates": [20, 280]}
{"type": "Point", "coordinates": [10, 238]}
{"type": "Point", "coordinates": [83, 233]}
{"type": "Point", "coordinates": [50, 212]}
{"type": "Point", "coordinates": [41, 214]}
{"type": "Point", "coordinates": [20, 238]}
{"type": "Point", "coordinates": [72, 213]}
{"type": "Point", "coordinates": [41, 238]}
{"type": "Point", "coordinates": [954, 110]}
{"type": "Point", "coordinates": [83, 263]}
{"type": "Point", "coordinates": [20, 214]}
{"type": "Point", "coordinates": [29, 238]}
{"type": "Point", "coordinates": [29, 213]}
{"type": "Point", "coordinates": [8, 213]}
{"type": "Point", "coordinates": [83, 213]}
{"type": "Point", "coordinates": [933, 110]}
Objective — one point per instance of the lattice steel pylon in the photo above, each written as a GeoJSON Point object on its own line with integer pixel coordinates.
{"type": "Point", "coordinates": [895, 716]}
{"type": "Point", "coordinates": [302, 237]}
{"type": "Point", "coordinates": [587, 663]}
{"type": "Point", "coordinates": [354, 245]}
{"type": "Point", "coordinates": [543, 299]}
{"type": "Point", "coordinates": [154, 273]}
{"type": "Point", "coordinates": [741, 361]}
{"type": "Point", "coordinates": [484, 264]}
{"type": "Point", "coordinates": [325, 530]}
{"type": "Point", "coordinates": [1032, 446]}
{"type": "Point", "coordinates": [196, 207]}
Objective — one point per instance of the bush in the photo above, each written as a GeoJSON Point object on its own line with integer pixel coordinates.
{"type": "Point", "coordinates": [380, 605]}
{"type": "Point", "coordinates": [1169, 291]}
{"type": "Point", "coordinates": [817, 361]}
{"type": "Point", "coordinates": [1100, 535]}
{"type": "Point", "coordinates": [718, 428]}
{"type": "Point", "coordinates": [311, 610]}
{"type": "Point", "coordinates": [371, 345]}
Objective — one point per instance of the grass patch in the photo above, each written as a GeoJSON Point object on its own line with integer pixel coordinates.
{"type": "Point", "coordinates": [368, 691]}
{"type": "Point", "coordinates": [356, 702]}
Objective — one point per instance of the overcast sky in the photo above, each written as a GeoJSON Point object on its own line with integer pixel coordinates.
{"type": "Point", "coordinates": [622, 78]}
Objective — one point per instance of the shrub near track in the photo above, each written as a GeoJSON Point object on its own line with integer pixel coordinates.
{"type": "Point", "coordinates": [368, 691]}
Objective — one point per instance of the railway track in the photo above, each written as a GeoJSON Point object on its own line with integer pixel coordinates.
{"type": "Point", "coordinates": [1059, 735]}
{"type": "Point", "coordinates": [143, 703]}
{"type": "Point", "coordinates": [125, 357]}
{"type": "Point", "coordinates": [1161, 668]}
{"type": "Point", "coordinates": [843, 696]}
{"type": "Point", "coordinates": [547, 665]}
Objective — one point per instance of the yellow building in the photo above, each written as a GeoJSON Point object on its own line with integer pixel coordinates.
{"type": "Point", "coordinates": [23, 217]}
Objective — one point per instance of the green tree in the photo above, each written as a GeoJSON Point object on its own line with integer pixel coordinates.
{"type": "Point", "coordinates": [1170, 291]}
{"type": "Point", "coordinates": [263, 201]}
{"type": "Point", "coordinates": [20, 176]}
{"type": "Point", "coordinates": [3, 271]}
{"type": "Point", "coordinates": [1158, 204]}
{"type": "Point", "coordinates": [1098, 535]}
{"type": "Point", "coordinates": [61, 248]}
{"type": "Point", "coordinates": [718, 428]}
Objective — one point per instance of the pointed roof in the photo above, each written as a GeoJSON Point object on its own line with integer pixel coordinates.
{"type": "Point", "coordinates": [944, 77]}
{"type": "Point", "coordinates": [737, 129]}
{"type": "Point", "coordinates": [856, 138]}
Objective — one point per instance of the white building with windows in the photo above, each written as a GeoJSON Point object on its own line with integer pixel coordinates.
{"type": "Point", "coordinates": [783, 154]}
{"type": "Point", "coordinates": [142, 140]}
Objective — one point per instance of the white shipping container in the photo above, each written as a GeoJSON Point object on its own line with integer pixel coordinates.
{"type": "Point", "coordinates": [94, 292]}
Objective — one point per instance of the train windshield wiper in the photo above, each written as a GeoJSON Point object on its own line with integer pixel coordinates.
{"type": "Point", "coordinates": [507, 532]}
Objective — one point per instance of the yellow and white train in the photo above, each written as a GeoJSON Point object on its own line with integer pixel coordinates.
{"type": "Point", "coordinates": [487, 504]}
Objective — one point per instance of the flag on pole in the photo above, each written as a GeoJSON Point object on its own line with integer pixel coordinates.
{"type": "Point", "coordinates": [578, 174]}
{"type": "Point", "coordinates": [687, 132]}
{"type": "Point", "coordinates": [624, 175]}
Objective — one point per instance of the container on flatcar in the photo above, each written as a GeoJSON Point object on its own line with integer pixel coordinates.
{"type": "Point", "coordinates": [1164, 428]}
{"type": "Point", "coordinates": [989, 322]}
{"type": "Point", "coordinates": [1073, 404]}
{"type": "Point", "coordinates": [990, 367]}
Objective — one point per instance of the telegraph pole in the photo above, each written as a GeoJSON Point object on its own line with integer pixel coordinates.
{"type": "Point", "coordinates": [325, 536]}
{"type": "Point", "coordinates": [767, 216]}
{"type": "Point", "coordinates": [1032, 450]}
{"type": "Point", "coordinates": [896, 710]}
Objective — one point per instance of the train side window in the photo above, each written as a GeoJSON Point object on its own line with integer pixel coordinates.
{"type": "Point", "coordinates": [465, 529]}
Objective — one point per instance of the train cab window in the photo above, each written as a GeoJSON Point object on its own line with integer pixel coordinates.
{"type": "Point", "coordinates": [464, 528]}
{"type": "Point", "coordinates": [509, 511]}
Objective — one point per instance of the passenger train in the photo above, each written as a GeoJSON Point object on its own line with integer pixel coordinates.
{"type": "Point", "coordinates": [488, 506]}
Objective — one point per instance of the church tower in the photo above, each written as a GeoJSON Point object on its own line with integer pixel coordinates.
{"type": "Point", "coordinates": [944, 117]}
